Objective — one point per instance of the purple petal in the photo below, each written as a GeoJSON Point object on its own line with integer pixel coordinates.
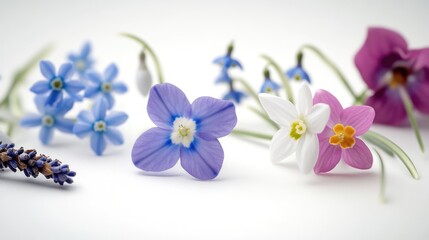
{"type": "Point", "coordinates": [203, 159]}
{"type": "Point", "coordinates": [359, 156]}
{"type": "Point", "coordinates": [359, 117]}
{"type": "Point", "coordinates": [40, 87]}
{"type": "Point", "coordinates": [388, 107]}
{"type": "Point", "coordinates": [420, 58]}
{"type": "Point", "coordinates": [153, 151]}
{"type": "Point", "coordinates": [214, 117]}
{"type": "Point", "coordinates": [166, 102]}
{"type": "Point", "coordinates": [46, 134]}
{"type": "Point", "coordinates": [66, 71]}
{"type": "Point", "coordinates": [381, 45]}
{"type": "Point", "coordinates": [323, 96]}
{"type": "Point", "coordinates": [114, 136]}
{"type": "Point", "coordinates": [329, 156]}
{"type": "Point", "coordinates": [98, 143]}
{"type": "Point", "coordinates": [47, 69]}
{"type": "Point", "coordinates": [419, 90]}
{"type": "Point", "coordinates": [111, 72]}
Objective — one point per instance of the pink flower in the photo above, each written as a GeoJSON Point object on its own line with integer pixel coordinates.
{"type": "Point", "coordinates": [340, 138]}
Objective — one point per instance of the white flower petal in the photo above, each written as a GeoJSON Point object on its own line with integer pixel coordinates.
{"type": "Point", "coordinates": [317, 118]}
{"type": "Point", "coordinates": [305, 99]}
{"type": "Point", "coordinates": [144, 81]}
{"type": "Point", "coordinates": [278, 109]}
{"type": "Point", "coordinates": [282, 145]}
{"type": "Point", "coordinates": [307, 152]}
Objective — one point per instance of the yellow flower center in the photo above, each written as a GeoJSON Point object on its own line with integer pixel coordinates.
{"type": "Point", "coordinates": [297, 129]}
{"type": "Point", "coordinates": [268, 90]}
{"type": "Point", "coordinates": [106, 87]}
{"type": "Point", "coordinates": [57, 84]}
{"type": "Point", "coordinates": [344, 136]}
{"type": "Point", "coordinates": [399, 77]}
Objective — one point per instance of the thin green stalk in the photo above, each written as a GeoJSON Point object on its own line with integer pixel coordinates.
{"type": "Point", "coordinates": [333, 67]}
{"type": "Point", "coordinates": [264, 116]}
{"type": "Point", "coordinates": [360, 99]}
{"type": "Point", "coordinates": [408, 104]}
{"type": "Point", "coordinates": [151, 52]}
{"type": "Point", "coordinates": [249, 89]}
{"type": "Point", "coordinates": [380, 140]}
{"type": "Point", "coordinates": [252, 134]}
{"type": "Point", "coordinates": [285, 81]}
{"type": "Point", "coordinates": [382, 178]}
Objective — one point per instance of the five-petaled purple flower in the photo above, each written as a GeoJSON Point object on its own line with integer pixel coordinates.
{"type": "Point", "coordinates": [387, 64]}
{"type": "Point", "coordinates": [55, 83]}
{"type": "Point", "coordinates": [184, 130]}
{"type": "Point", "coordinates": [340, 139]}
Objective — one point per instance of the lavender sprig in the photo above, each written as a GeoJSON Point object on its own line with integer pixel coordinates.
{"type": "Point", "coordinates": [33, 164]}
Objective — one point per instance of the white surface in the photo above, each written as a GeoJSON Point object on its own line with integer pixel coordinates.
{"type": "Point", "coordinates": [251, 198]}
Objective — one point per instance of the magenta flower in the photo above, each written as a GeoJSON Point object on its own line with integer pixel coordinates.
{"type": "Point", "coordinates": [184, 130]}
{"type": "Point", "coordinates": [340, 139]}
{"type": "Point", "coordinates": [386, 64]}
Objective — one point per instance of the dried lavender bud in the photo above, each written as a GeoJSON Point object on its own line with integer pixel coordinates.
{"type": "Point", "coordinates": [33, 164]}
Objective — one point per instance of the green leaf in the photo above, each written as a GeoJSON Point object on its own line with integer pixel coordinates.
{"type": "Point", "coordinates": [251, 134]}
{"type": "Point", "coordinates": [382, 178]}
{"type": "Point", "coordinates": [285, 81]}
{"type": "Point", "coordinates": [150, 51]}
{"type": "Point", "coordinates": [410, 112]}
{"type": "Point", "coordinates": [333, 67]}
{"type": "Point", "coordinates": [264, 116]}
{"type": "Point", "coordinates": [380, 140]}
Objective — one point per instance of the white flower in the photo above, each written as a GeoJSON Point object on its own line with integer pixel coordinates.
{"type": "Point", "coordinates": [144, 80]}
{"type": "Point", "coordinates": [299, 127]}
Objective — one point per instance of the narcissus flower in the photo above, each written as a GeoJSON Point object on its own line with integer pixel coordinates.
{"type": "Point", "coordinates": [340, 139]}
{"type": "Point", "coordinates": [387, 64]}
{"type": "Point", "coordinates": [184, 130]}
{"type": "Point", "coordinates": [299, 127]}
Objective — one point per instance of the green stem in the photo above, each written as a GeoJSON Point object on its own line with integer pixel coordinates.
{"type": "Point", "coordinates": [151, 53]}
{"type": "Point", "coordinates": [380, 140]}
{"type": "Point", "coordinates": [361, 97]}
{"type": "Point", "coordinates": [285, 81]}
{"type": "Point", "coordinates": [408, 104]}
{"type": "Point", "coordinates": [382, 178]}
{"type": "Point", "coordinates": [333, 67]}
{"type": "Point", "coordinates": [249, 89]}
{"type": "Point", "coordinates": [264, 116]}
{"type": "Point", "coordinates": [252, 134]}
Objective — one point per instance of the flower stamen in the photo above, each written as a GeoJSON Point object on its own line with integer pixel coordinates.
{"type": "Point", "coordinates": [298, 128]}
{"type": "Point", "coordinates": [344, 136]}
{"type": "Point", "coordinates": [48, 121]}
{"type": "Point", "coordinates": [100, 126]}
{"type": "Point", "coordinates": [106, 87]}
{"type": "Point", "coordinates": [183, 131]}
{"type": "Point", "coordinates": [57, 84]}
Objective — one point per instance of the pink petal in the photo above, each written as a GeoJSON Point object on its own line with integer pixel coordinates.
{"type": "Point", "coordinates": [329, 156]}
{"type": "Point", "coordinates": [359, 156]}
{"type": "Point", "coordinates": [359, 117]}
{"type": "Point", "coordinates": [380, 45]}
{"type": "Point", "coordinates": [323, 96]}
{"type": "Point", "coordinates": [419, 58]}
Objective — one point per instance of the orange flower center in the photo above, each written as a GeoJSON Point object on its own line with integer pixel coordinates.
{"type": "Point", "coordinates": [399, 77]}
{"type": "Point", "coordinates": [343, 136]}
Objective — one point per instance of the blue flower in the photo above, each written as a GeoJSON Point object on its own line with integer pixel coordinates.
{"type": "Point", "coordinates": [298, 73]}
{"type": "Point", "coordinates": [104, 86]}
{"type": "Point", "coordinates": [234, 95]}
{"type": "Point", "coordinates": [82, 61]}
{"type": "Point", "coordinates": [56, 84]}
{"type": "Point", "coordinates": [184, 130]}
{"type": "Point", "coordinates": [50, 118]}
{"type": "Point", "coordinates": [226, 62]}
{"type": "Point", "coordinates": [269, 86]}
{"type": "Point", "coordinates": [100, 126]}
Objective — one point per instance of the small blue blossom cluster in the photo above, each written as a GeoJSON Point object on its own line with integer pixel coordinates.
{"type": "Point", "coordinates": [33, 164]}
{"type": "Point", "coordinates": [298, 73]}
{"type": "Point", "coordinates": [269, 86]}
{"type": "Point", "coordinates": [226, 63]}
{"type": "Point", "coordinates": [59, 91]}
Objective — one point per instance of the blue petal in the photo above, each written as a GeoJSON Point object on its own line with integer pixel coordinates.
{"type": "Point", "coordinates": [166, 102]}
{"type": "Point", "coordinates": [120, 87]}
{"type": "Point", "coordinates": [219, 60]}
{"type": "Point", "coordinates": [269, 84]}
{"type": "Point", "coordinates": [66, 71]}
{"type": "Point", "coordinates": [99, 109]}
{"type": "Point", "coordinates": [91, 91]}
{"type": "Point", "coordinates": [235, 96]}
{"type": "Point", "coordinates": [109, 99]}
{"type": "Point", "coordinates": [65, 106]}
{"type": "Point", "coordinates": [73, 86]}
{"type": "Point", "coordinates": [86, 116]}
{"type": "Point", "coordinates": [98, 143]}
{"type": "Point", "coordinates": [54, 98]}
{"type": "Point", "coordinates": [110, 73]}
{"type": "Point", "coordinates": [64, 125]}
{"type": "Point", "coordinates": [86, 50]}
{"type": "Point", "coordinates": [40, 101]}
{"type": "Point", "coordinates": [47, 69]}
{"type": "Point", "coordinates": [31, 121]}
{"type": "Point", "coordinates": [116, 118]}
{"type": "Point", "coordinates": [235, 62]}
{"type": "Point", "coordinates": [203, 159]}
{"type": "Point", "coordinates": [223, 77]}
{"type": "Point", "coordinates": [82, 129]}
{"type": "Point", "coordinates": [215, 118]}
{"type": "Point", "coordinates": [73, 57]}
{"type": "Point", "coordinates": [298, 73]}
{"type": "Point", "coordinates": [46, 134]}
{"type": "Point", "coordinates": [40, 87]}
{"type": "Point", "coordinates": [94, 77]}
{"type": "Point", "coordinates": [153, 151]}
{"type": "Point", "coordinates": [114, 136]}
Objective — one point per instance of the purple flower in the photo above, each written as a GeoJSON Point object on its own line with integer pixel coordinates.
{"type": "Point", "coordinates": [340, 139]}
{"type": "Point", "coordinates": [184, 130]}
{"type": "Point", "coordinates": [386, 64]}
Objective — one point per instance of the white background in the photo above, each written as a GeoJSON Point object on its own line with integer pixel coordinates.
{"type": "Point", "coordinates": [251, 198]}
